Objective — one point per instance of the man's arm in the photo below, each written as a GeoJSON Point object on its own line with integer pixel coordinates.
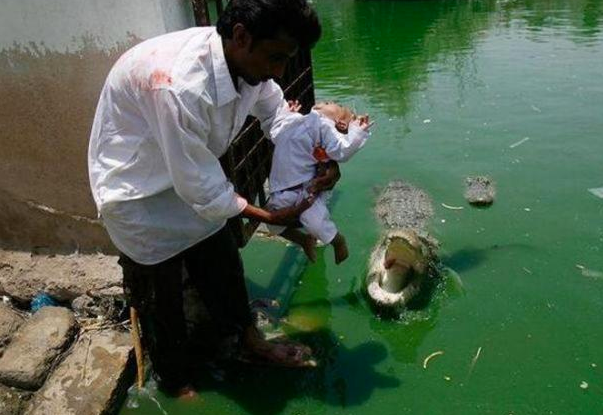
{"type": "Point", "coordinates": [195, 171]}
{"type": "Point", "coordinates": [288, 216]}
{"type": "Point", "coordinates": [272, 110]}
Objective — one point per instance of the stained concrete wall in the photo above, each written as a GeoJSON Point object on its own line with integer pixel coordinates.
{"type": "Point", "coordinates": [54, 56]}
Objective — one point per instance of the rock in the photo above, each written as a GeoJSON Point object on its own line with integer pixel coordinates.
{"type": "Point", "coordinates": [92, 380]}
{"type": "Point", "coordinates": [403, 206]}
{"type": "Point", "coordinates": [35, 346]}
{"type": "Point", "coordinates": [10, 321]}
{"type": "Point", "coordinates": [12, 401]}
{"type": "Point", "coordinates": [480, 190]}
{"type": "Point", "coordinates": [64, 277]}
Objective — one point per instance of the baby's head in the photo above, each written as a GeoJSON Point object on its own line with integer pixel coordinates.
{"type": "Point", "coordinates": [341, 116]}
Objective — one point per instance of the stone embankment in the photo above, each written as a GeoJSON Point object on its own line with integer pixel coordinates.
{"type": "Point", "coordinates": [72, 358]}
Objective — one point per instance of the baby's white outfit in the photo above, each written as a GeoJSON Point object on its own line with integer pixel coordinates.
{"type": "Point", "coordinates": [294, 166]}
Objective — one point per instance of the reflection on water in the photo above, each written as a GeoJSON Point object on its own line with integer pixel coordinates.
{"type": "Point", "coordinates": [387, 49]}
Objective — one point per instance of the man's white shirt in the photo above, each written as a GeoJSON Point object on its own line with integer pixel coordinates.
{"type": "Point", "coordinates": [167, 112]}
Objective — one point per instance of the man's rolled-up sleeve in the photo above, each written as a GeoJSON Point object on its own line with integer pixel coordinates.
{"type": "Point", "coordinates": [195, 171]}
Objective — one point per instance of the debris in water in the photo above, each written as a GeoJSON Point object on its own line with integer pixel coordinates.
{"type": "Point", "coordinates": [520, 142]}
{"type": "Point", "coordinates": [149, 391]}
{"type": "Point", "coordinates": [583, 385]}
{"type": "Point", "coordinates": [431, 356]}
{"type": "Point", "coordinates": [474, 360]}
{"type": "Point", "coordinates": [598, 191]}
{"type": "Point", "coordinates": [590, 273]}
{"type": "Point", "coordinates": [452, 207]}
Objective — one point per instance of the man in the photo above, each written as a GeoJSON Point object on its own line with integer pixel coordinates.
{"type": "Point", "coordinates": [169, 109]}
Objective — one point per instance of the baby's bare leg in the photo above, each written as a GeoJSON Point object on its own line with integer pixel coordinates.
{"type": "Point", "coordinates": [306, 241]}
{"type": "Point", "coordinates": [340, 247]}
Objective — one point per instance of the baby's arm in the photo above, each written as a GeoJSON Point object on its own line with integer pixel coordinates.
{"type": "Point", "coordinates": [341, 147]}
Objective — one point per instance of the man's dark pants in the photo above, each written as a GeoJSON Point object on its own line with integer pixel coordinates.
{"type": "Point", "coordinates": [214, 265]}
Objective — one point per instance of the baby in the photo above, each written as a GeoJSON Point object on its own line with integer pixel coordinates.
{"type": "Point", "coordinates": [302, 146]}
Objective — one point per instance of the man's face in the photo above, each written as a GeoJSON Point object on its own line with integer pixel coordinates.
{"type": "Point", "coordinates": [265, 59]}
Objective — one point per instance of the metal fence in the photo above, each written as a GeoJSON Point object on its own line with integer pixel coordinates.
{"type": "Point", "coordinates": [247, 162]}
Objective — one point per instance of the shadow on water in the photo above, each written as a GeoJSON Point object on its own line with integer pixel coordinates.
{"type": "Point", "coordinates": [405, 330]}
{"type": "Point", "coordinates": [345, 377]}
{"type": "Point", "coordinates": [468, 258]}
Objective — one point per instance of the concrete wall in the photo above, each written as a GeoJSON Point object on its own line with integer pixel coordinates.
{"type": "Point", "coordinates": [54, 56]}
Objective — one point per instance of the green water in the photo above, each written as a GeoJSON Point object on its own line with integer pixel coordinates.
{"type": "Point", "coordinates": [455, 88]}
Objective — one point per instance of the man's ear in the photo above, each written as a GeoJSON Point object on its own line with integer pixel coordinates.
{"type": "Point", "coordinates": [341, 126]}
{"type": "Point", "coordinates": [241, 36]}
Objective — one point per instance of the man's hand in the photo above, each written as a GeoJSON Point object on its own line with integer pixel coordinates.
{"type": "Point", "coordinates": [294, 105]}
{"type": "Point", "coordinates": [326, 179]}
{"type": "Point", "coordinates": [289, 216]}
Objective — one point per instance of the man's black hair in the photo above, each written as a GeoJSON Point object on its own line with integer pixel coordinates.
{"type": "Point", "coordinates": [265, 19]}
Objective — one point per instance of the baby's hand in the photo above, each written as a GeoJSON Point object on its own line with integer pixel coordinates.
{"type": "Point", "coordinates": [294, 105]}
{"type": "Point", "coordinates": [364, 122]}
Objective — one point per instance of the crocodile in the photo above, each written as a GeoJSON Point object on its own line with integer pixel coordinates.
{"type": "Point", "coordinates": [405, 255]}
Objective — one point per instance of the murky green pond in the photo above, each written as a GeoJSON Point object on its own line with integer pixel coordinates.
{"type": "Point", "coordinates": [511, 89]}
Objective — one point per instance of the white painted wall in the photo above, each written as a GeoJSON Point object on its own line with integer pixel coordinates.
{"type": "Point", "coordinates": [67, 25]}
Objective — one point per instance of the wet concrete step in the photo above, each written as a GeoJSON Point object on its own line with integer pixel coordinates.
{"type": "Point", "coordinates": [29, 356]}
{"type": "Point", "coordinates": [91, 380]}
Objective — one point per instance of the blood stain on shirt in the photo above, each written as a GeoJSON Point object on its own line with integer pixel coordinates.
{"type": "Point", "coordinates": [160, 78]}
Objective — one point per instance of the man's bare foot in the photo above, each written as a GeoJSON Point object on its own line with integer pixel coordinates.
{"type": "Point", "coordinates": [309, 247]}
{"type": "Point", "coordinates": [340, 247]}
{"type": "Point", "coordinates": [186, 393]}
{"type": "Point", "coordinates": [288, 354]}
